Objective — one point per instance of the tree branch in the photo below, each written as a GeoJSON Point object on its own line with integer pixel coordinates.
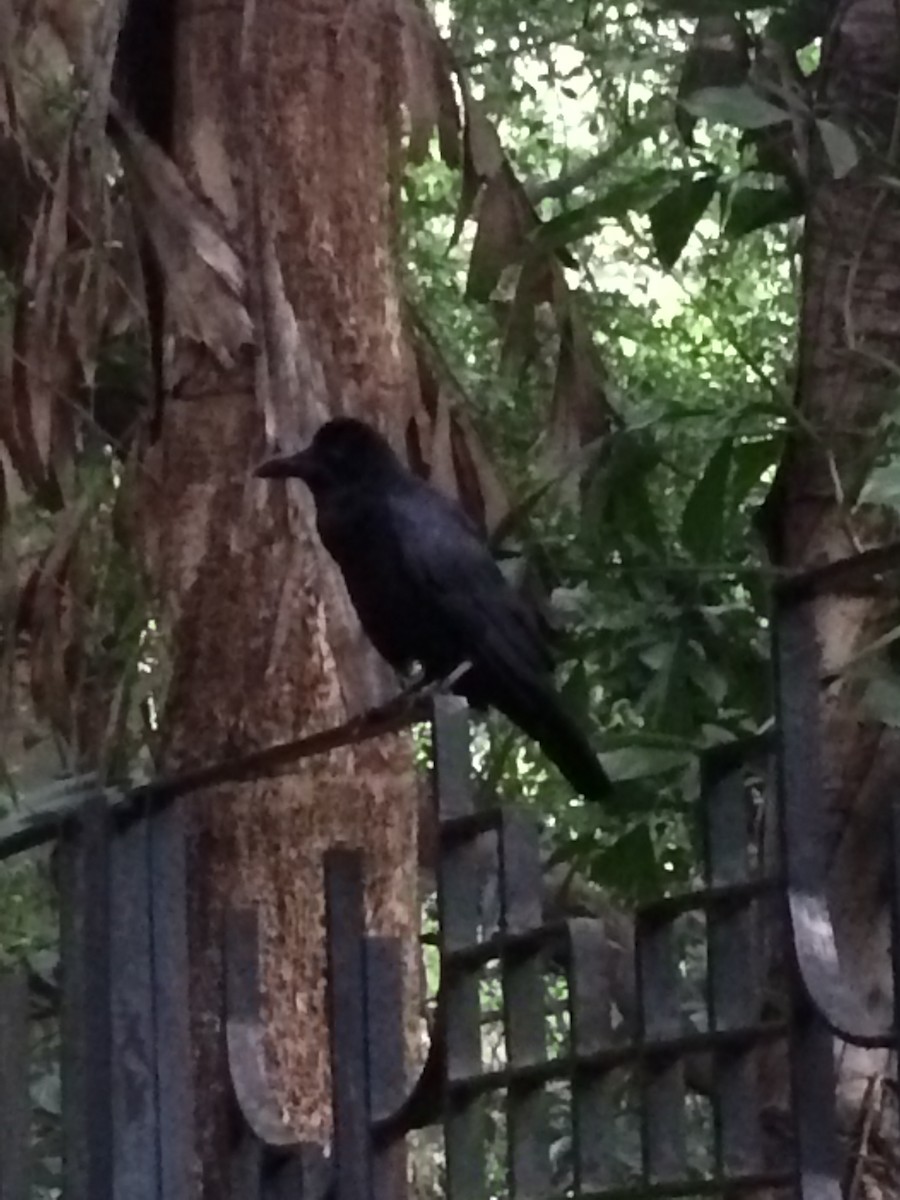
{"type": "Point", "coordinates": [64, 799]}
{"type": "Point", "coordinates": [282, 758]}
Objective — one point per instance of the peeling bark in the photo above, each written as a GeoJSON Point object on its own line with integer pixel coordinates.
{"type": "Point", "coordinates": [287, 128]}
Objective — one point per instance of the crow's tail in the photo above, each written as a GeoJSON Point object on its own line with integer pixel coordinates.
{"type": "Point", "coordinates": [540, 714]}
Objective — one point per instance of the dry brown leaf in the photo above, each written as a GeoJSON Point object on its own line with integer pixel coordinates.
{"type": "Point", "coordinates": [428, 381]}
{"type": "Point", "coordinates": [96, 54]}
{"type": "Point", "coordinates": [4, 501]}
{"type": "Point", "coordinates": [86, 313]}
{"type": "Point", "coordinates": [50, 691]}
{"type": "Point", "coordinates": [40, 366]}
{"type": "Point", "coordinates": [90, 263]}
{"type": "Point", "coordinates": [505, 219]}
{"type": "Point", "coordinates": [475, 481]}
{"type": "Point", "coordinates": [483, 145]}
{"type": "Point", "coordinates": [428, 71]}
{"type": "Point", "coordinates": [536, 285]}
{"type": "Point", "coordinates": [7, 417]}
{"type": "Point", "coordinates": [420, 80]}
{"type": "Point", "coordinates": [205, 280]}
{"type": "Point", "coordinates": [478, 481]}
{"type": "Point", "coordinates": [124, 294]}
{"type": "Point", "coordinates": [449, 124]}
{"type": "Point", "coordinates": [580, 411]}
{"type": "Point", "coordinates": [8, 31]}
{"type": "Point", "coordinates": [441, 470]}
{"type": "Point", "coordinates": [468, 193]}
{"type": "Point", "coordinates": [483, 158]}
{"type": "Point", "coordinates": [52, 625]}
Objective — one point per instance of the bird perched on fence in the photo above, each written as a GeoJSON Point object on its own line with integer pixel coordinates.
{"type": "Point", "coordinates": [427, 589]}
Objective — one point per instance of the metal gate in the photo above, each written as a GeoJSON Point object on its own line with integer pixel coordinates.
{"type": "Point", "coordinates": [127, 1104]}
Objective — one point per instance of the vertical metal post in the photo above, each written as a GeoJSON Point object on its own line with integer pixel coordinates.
{"type": "Point", "coordinates": [590, 1012]}
{"type": "Point", "coordinates": [523, 1003]}
{"type": "Point", "coordinates": [733, 986]}
{"type": "Point", "coordinates": [15, 1106]}
{"type": "Point", "coordinates": [86, 1036]}
{"type": "Point", "coordinates": [171, 993]}
{"type": "Point", "coordinates": [663, 1105]}
{"type": "Point", "coordinates": [133, 1063]}
{"type": "Point", "coordinates": [386, 1044]}
{"type": "Point", "coordinates": [458, 892]}
{"type": "Point", "coordinates": [345, 931]}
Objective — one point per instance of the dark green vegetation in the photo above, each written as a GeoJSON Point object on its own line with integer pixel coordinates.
{"type": "Point", "coordinates": [639, 414]}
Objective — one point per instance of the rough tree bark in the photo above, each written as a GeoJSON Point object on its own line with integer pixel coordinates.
{"type": "Point", "coordinates": [849, 357]}
{"type": "Point", "coordinates": [287, 126]}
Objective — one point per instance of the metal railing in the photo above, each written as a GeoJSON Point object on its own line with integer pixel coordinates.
{"type": "Point", "coordinates": [127, 1103]}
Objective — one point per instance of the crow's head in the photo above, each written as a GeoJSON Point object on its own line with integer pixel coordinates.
{"type": "Point", "coordinates": [342, 452]}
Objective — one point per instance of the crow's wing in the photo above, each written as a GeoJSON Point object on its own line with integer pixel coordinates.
{"type": "Point", "coordinates": [471, 606]}
{"type": "Point", "coordinates": [452, 570]}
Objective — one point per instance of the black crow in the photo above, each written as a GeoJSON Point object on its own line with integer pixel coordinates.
{"type": "Point", "coordinates": [427, 590]}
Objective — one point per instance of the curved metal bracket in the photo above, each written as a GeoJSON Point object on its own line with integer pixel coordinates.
{"type": "Point", "coordinates": [836, 998]}
{"type": "Point", "coordinates": [245, 1040]}
{"type": "Point", "coordinates": [421, 1105]}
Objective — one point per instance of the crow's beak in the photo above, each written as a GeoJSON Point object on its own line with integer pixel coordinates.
{"type": "Point", "coordinates": [286, 466]}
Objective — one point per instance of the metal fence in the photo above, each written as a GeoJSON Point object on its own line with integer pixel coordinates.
{"type": "Point", "coordinates": [685, 1076]}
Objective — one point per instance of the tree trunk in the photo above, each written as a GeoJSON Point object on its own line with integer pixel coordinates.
{"type": "Point", "coordinates": [287, 126]}
{"type": "Point", "coordinates": [849, 352]}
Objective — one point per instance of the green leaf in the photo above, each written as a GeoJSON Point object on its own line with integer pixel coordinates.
{"type": "Point", "coordinates": [741, 106]}
{"type": "Point", "coordinates": [703, 517]}
{"type": "Point", "coordinates": [798, 24]}
{"type": "Point", "coordinates": [872, 650]}
{"type": "Point", "coordinates": [755, 208]}
{"type": "Point", "coordinates": [643, 762]}
{"type": "Point", "coordinates": [751, 458]}
{"type": "Point", "coordinates": [666, 703]}
{"type": "Point", "coordinates": [634, 195]}
{"type": "Point", "coordinates": [882, 700]}
{"type": "Point", "coordinates": [674, 217]}
{"type": "Point", "coordinates": [840, 148]}
{"type": "Point", "coordinates": [883, 486]}
{"type": "Point", "coordinates": [645, 739]}
{"type": "Point", "coordinates": [718, 56]}
{"type": "Point", "coordinates": [618, 499]}
{"type": "Point", "coordinates": [710, 680]}
{"type": "Point", "coordinates": [629, 864]}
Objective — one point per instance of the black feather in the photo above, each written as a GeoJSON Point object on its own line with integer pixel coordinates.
{"type": "Point", "coordinates": [427, 589]}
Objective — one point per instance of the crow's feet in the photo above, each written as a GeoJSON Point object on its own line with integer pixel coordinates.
{"type": "Point", "coordinates": [421, 688]}
{"type": "Point", "coordinates": [447, 684]}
